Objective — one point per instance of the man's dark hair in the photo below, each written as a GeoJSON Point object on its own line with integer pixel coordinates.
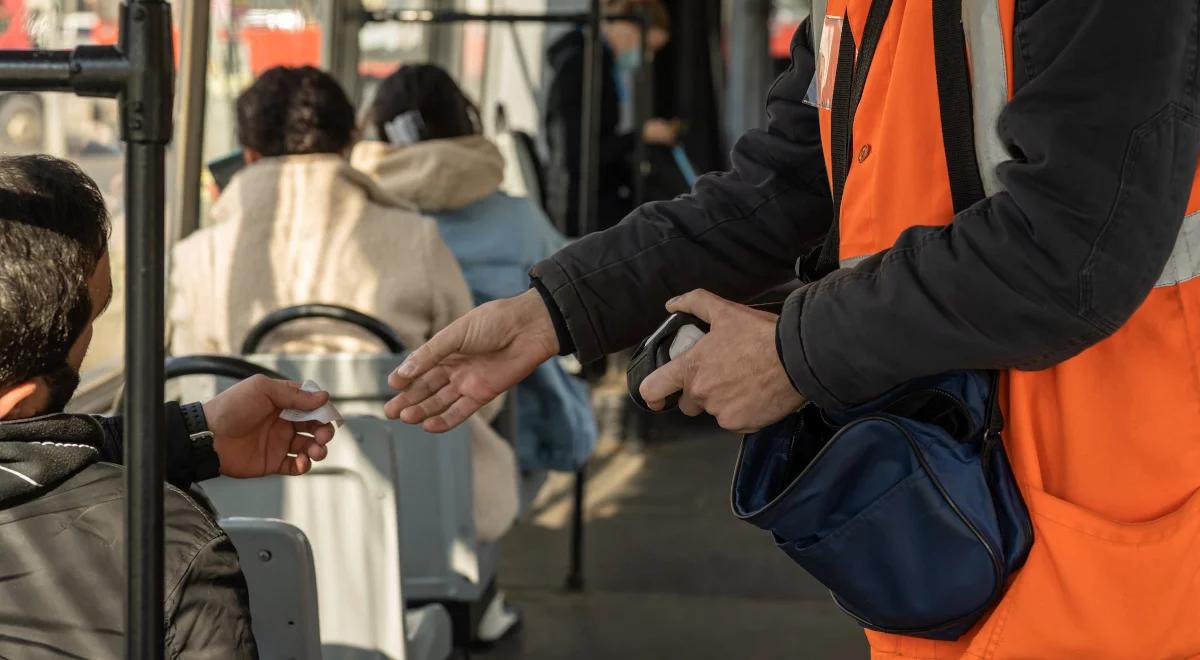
{"type": "Point", "coordinates": [446, 112]}
{"type": "Point", "coordinates": [53, 232]}
{"type": "Point", "coordinates": [292, 111]}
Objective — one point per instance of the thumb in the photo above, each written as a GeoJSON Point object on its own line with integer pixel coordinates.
{"type": "Point", "coordinates": [288, 395]}
{"type": "Point", "coordinates": [664, 382]}
{"type": "Point", "coordinates": [699, 303]}
{"type": "Point", "coordinates": [441, 346]}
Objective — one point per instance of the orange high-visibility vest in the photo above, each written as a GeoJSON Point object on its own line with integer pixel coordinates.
{"type": "Point", "coordinates": [1106, 445]}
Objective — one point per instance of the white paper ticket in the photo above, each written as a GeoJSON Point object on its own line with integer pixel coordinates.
{"type": "Point", "coordinates": [325, 414]}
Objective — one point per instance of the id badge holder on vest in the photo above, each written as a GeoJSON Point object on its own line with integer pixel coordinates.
{"type": "Point", "coordinates": [820, 90]}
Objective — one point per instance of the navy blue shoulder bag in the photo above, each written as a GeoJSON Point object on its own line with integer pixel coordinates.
{"type": "Point", "coordinates": [906, 507]}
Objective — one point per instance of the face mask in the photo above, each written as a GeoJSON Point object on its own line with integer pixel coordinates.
{"type": "Point", "coordinates": [61, 384]}
{"type": "Point", "coordinates": [630, 60]}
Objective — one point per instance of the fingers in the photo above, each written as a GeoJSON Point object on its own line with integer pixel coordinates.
{"type": "Point", "coordinates": [417, 392]}
{"type": "Point", "coordinates": [420, 361]}
{"type": "Point", "coordinates": [434, 405]}
{"type": "Point", "coordinates": [690, 406]}
{"type": "Point", "coordinates": [699, 303]}
{"type": "Point", "coordinates": [663, 383]}
{"type": "Point", "coordinates": [303, 451]}
{"type": "Point", "coordinates": [322, 433]}
{"type": "Point", "coordinates": [458, 413]}
{"type": "Point", "coordinates": [295, 466]}
{"type": "Point", "coordinates": [288, 395]}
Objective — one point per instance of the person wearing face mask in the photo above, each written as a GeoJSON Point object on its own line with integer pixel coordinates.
{"type": "Point", "coordinates": [563, 108]}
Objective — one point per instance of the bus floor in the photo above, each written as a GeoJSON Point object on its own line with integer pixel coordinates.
{"type": "Point", "coordinates": [669, 572]}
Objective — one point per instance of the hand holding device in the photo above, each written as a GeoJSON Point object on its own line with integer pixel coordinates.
{"type": "Point", "coordinates": [673, 338]}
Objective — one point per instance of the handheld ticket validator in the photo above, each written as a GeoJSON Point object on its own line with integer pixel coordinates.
{"type": "Point", "coordinates": [672, 339]}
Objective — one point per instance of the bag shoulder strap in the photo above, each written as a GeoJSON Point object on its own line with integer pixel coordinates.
{"type": "Point", "coordinates": [954, 99]}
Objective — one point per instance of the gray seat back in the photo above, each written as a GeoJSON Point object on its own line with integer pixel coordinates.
{"type": "Point", "coordinates": [443, 559]}
{"type": "Point", "coordinates": [348, 508]}
{"type": "Point", "coordinates": [278, 563]}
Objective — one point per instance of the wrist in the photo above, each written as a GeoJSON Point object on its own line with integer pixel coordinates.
{"type": "Point", "coordinates": [538, 320]}
{"type": "Point", "coordinates": [561, 343]}
{"type": "Point", "coordinates": [202, 442]}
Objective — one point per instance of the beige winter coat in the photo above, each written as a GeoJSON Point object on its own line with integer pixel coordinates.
{"type": "Point", "coordinates": [311, 229]}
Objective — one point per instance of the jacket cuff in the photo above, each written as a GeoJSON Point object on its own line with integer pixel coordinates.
{"type": "Point", "coordinates": [793, 352]}
{"type": "Point", "coordinates": [550, 276]}
{"type": "Point", "coordinates": [566, 345]}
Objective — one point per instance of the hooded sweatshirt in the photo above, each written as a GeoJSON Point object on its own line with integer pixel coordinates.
{"type": "Point", "coordinates": [497, 239]}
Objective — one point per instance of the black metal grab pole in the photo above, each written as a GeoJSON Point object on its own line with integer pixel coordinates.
{"type": "Point", "coordinates": [146, 112]}
{"type": "Point", "coordinates": [589, 207]}
{"type": "Point", "coordinates": [589, 152]}
{"type": "Point", "coordinates": [140, 73]}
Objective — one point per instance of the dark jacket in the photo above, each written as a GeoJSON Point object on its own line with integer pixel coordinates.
{"type": "Point", "coordinates": [1105, 102]}
{"type": "Point", "coordinates": [187, 463]}
{"type": "Point", "coordinates": [562, 128]}
{"type": "Point", "coordinates": [62, 554]}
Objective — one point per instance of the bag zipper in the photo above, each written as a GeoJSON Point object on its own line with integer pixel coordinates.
{"type": "Point", "coordinates": [997, 565]}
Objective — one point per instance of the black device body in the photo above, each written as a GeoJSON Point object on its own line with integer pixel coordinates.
{"type": "Point", "coordinates": [655, 352]}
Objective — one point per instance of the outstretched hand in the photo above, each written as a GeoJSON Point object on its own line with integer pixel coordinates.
{"type": "Point", "coordinates": [472, 361]}
{"type": "Point", "coordinates": [252, 441]}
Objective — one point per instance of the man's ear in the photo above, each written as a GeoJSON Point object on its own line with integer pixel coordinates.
{"type": "Point", "coordinates": [18, 401]}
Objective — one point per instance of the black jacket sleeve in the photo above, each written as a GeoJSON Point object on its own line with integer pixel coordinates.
{"type": "Point", "coordinates": [1105, 134]}
{"type": "Point", "coordinates": [184, 460]}
{"type": "Point", "coordinates": [738, 233]}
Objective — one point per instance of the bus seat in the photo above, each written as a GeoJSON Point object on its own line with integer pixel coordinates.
{"type": "Point", "coordinates": [348, 507]}
{"type": "Point", "coordinates": [278, 563]}
{"type": "Point", "coordinates": [443, 559]}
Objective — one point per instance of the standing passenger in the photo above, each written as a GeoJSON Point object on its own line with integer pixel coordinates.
{"type": "Point", "coordinates": [435, 157]}
{"type": "Point", "coordinates": [618, 126]}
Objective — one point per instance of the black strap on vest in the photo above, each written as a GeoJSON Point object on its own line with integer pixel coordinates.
{"type": "Point", "coordinates": [954, 100]}
{"type": "Point", "coordinates": [850, 81]}
{"type": "Point", "coordinates": [954, 97]}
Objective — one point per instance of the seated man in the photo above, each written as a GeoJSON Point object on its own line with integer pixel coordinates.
{"type": "Point", "coordinates": [62, 498]}
{"type": "Point", "coordinates": [299, 225]}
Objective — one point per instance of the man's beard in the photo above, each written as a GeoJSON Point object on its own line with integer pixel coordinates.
{"type": "Point", "coordinates": [61, 384]}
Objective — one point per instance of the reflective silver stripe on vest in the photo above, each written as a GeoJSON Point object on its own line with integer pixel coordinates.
{"type": "Point", "coordinates": [851, 262]}
{"type": "Point", "coordinates": [1184, 263]}
{"type": "Point", "coordinates": [989, 85]}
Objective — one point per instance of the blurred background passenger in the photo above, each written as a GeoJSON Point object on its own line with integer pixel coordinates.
{"type": "Point", "coordinates": [432, 153]}
{"type": "Point", "coordinates": [299, 225]}
{"type": "Point", "coordinates": [563, 109]}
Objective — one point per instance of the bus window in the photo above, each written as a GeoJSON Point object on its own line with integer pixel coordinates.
{"type": "Point", "coordinates": [786, 17]}
{"type": "Point", "coordinates": [248, 37]}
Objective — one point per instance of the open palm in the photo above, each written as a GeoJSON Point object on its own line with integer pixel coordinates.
{"type": "Point", "coordinates": [471, 362]}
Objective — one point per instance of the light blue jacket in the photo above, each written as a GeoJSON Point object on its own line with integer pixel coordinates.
{"type": "Point", "coordinates": [496, 239]}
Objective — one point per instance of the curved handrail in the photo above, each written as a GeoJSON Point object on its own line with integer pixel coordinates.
{"type": "Point", "coordinates": [377, 328]}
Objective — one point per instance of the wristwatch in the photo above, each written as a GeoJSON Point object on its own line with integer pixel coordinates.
{"type": "Point", "coordinates": [207, 464]}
